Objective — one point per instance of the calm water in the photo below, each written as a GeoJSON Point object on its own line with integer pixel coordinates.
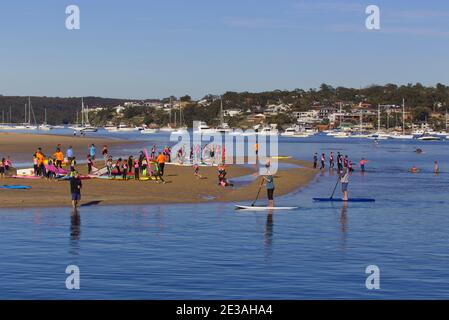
{"type": "Point", "coordinates": [210, 251]}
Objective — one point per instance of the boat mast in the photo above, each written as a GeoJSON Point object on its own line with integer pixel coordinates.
{"type": "Point", "coordinates": [341, 105]}
{"type": "Point", "coordinates": [378, 118]}
{"type": "Point", "coordinates": [403, 116]}
{"type": "Point", "coordinates": [221, 111]}
{"type": "Point", "coordinates": [82, 112]}
{"type": "Point", "coordinates": [361, 121]}
{"type": "Point", "coordinates": [446, 119]}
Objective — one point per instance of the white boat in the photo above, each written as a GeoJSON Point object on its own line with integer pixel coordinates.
{"type": "Point", "coordinates": [359, 135]}
{"type": "Point", "coordinates": [290, 131]}
{"type": "Point", "coordinates": [401, 136]}
{"type": "Point", "coordinates": [204, 128]}
{"type": "Point", "coordinates": [269, 130]}
{"type": "Point", "coordinates": [122, 128]}
{"type": "Point", "coordinates": [429, 138]}
{"type": "Point", "coordinates": [223, 128]}
{"type": "Point", "coordinates": [85, 124]}
{"type": "Point", "coordinates": [45, 126]}
{"type": "Point", "coordinates": [302, 135]}
{"type": "Point", "coordinates": [148, 130]}
{"type": "Point", "coordinates": [379, 136]}
{"type": "Point", "coordinates": [342, 135]}
{"type": "Point", "coordinates": [181, 130]}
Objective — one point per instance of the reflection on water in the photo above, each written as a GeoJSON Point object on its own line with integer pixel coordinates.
{"type": "Point", "coordinates": [75, 232]}
{"type": "Point", "coordinates": [269, 230]}
{"type": "Point", "coordinates": [75, 225]}
{"type": "Point", "coordinates": [344, 224]}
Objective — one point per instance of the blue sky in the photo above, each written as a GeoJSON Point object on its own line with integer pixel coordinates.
{"type": "Point", "coordinates": [152, 49]}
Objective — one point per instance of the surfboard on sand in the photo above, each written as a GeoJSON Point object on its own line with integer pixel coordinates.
{"type": "Point", "coordinates": [15, 187]}
{"type": "Point", "coordinates": [341, 200]}
{"type": "Point", "coordinates": [263, 208]}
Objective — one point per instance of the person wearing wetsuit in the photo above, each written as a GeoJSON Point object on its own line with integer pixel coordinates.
{"type": "Point", "coordinates": [323, 159]}
{"type": "Point", "coordinates": [331, 160]}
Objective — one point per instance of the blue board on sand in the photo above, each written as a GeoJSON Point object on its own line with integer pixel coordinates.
{"type": "Point", "coordinates": [341, 200]}
{"type": "Point", "coordinates": [15, 187]}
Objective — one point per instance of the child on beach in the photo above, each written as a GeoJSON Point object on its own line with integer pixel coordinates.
{"type": "Point", "coordinates": [130, 164]}
{"type": "Point", "coordinates": [222, 181]}
{"type": "Point", "coordinates": [118, 166]}
{"type": "Point", "coordinates": [72, 164]}
{"type": "Point", "coordinates": [90, 164]}
{"type": "Point", "coordinates": [144, 167]}
{"type": "Point", "coordinates": [2, 168]}
{"type": "Point", "coordinates": [136, 170]}
{"type": "Point", "coordinates": [109, 166]}
{"type": "Point", "coordinates": [196, 170]}
{"type": "Point", "coordinates": [35, 165]}
{"type": "Point", "coordinates": [153, 152]}
{"type": "Point", "coordinates": [125, 170]}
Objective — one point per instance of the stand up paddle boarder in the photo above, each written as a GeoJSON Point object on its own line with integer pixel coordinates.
{"type": "Point", "coordinates": [269, 183]}
{"type": "Point", "coordinates": [344, 179]}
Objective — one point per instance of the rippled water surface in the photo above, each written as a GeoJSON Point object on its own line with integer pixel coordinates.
{"type": "Point", "coordinates": [211, 251]}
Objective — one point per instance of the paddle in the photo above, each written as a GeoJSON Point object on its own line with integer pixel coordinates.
{"type": "Point", "coordinates": [335, 188]}
{"type": "Point", "coordinates": [258, 192]}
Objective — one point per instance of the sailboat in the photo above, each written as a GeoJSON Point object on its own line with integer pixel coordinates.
{"type": "Point", "coordinates": [402, 135]}
{"type": "Point", "coordinates": [223, 127]}
{"type": "Point", "coordinates": [182, 128]}
{"type": "Point", "coordinates": [45, 126]}
{"type": "Point", "coordinates": [379, 135]}
{"type": "Point", "coordinates": [85, 124]}
{"type": "Point", "coordinates": [27, 124]}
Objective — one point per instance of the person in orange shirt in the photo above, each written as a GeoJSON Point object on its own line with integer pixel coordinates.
{"type": "Point", "coordinates": [40, 162]}
{"type": "Point", "coordinates": [59, 156]}
{"type": "Point", "coordinates": [161, 163]}
{"type": "Point", "coordinates": [256, 149]}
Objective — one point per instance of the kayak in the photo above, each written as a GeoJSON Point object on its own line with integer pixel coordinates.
{"type": "Point", "coordinates": [15, 187]}
{"type": "Point", "coordinates": [282, 157]}
{"type": "Point", "coordinates": [256, 208]}
{"type": "Point", "coordinates": [341, 200]}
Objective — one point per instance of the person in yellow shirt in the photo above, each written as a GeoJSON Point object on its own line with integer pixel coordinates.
{"type": "Point", "coordinates": [59, 156]}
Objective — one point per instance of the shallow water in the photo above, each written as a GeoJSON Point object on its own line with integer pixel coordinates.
{"type": "Point", "coordinates": [211, 251]}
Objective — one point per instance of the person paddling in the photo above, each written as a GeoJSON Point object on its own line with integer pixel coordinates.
{"type": "Point", "coordinates": [269, 183]}
{"type": "Point", "coordinates": [344, 179]}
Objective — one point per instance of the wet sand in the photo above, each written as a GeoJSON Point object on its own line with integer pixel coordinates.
{"type": "Point", "coordinates": [181, 187]}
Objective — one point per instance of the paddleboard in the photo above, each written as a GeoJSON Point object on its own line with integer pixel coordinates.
{"type": "Point", "coordinates": [282, 157]}
{"type": "Point", "coordinates": [26, 177]}
{"type": "Point", "coordinates": [341, 200]}
{"type": "Point", "coordinates": [258, 208]}
{"type": "Point", "coordinates": [15, 187]}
